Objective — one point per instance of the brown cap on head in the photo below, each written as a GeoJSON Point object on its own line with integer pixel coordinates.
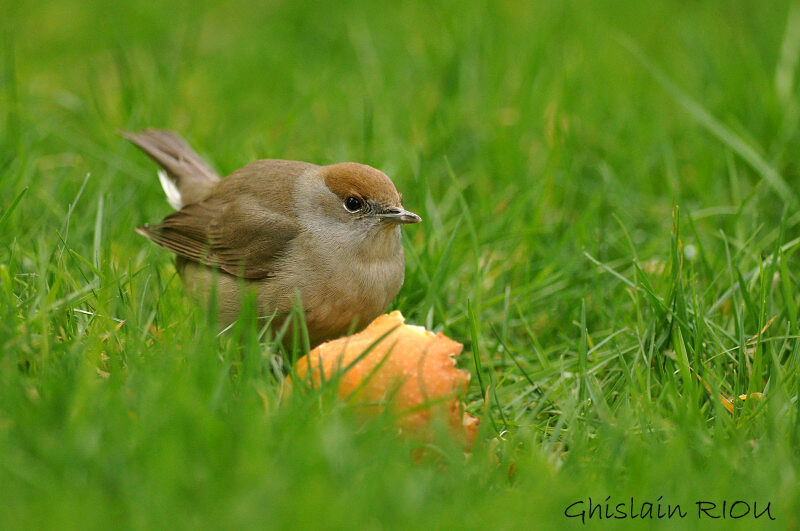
{"type": "Point", "coordinates": [352, 179]}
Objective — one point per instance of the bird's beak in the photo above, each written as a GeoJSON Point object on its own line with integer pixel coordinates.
{"type": "Point", "coordinates": [398, 215]}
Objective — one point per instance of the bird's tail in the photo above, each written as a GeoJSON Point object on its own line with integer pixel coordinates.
{"type": "Point", "coordinates": [186, 178]}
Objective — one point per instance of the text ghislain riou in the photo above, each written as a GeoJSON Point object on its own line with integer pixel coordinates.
{"type": "Point", "coordinates": [610, 509]}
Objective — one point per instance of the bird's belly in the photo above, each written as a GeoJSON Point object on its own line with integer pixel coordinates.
{"type": "Point", "coordinates": [335, 299]}
{"type": "Point", "coordinates": [348, 297]}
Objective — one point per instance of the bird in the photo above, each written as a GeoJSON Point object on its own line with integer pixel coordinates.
{"type": "Point", "coordinates": [326, 236]}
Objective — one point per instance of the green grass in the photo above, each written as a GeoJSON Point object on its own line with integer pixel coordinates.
{"type": "Point", "coordinates": [610, 202]}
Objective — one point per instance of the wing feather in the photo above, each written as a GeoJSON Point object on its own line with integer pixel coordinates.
{"type": "Point", "coordinates": [243, 227]}
{"type": "Point", "coordinates": [240, 237]}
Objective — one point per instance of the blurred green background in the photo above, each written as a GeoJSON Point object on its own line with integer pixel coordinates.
{"type": "Point", "coordinates": [609, 192]}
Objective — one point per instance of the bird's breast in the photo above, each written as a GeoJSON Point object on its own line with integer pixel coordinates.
{"type": "Point", "coordinates": [340, 284]}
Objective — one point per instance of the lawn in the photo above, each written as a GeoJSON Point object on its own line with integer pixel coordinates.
{"type": "Point", "coordinates": [610, 196]}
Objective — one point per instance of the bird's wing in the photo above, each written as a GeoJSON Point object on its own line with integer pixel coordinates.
{"type": "Point", "coordinates": [242, 228]}
{"type": "Point", "coordinates": [239, 239]}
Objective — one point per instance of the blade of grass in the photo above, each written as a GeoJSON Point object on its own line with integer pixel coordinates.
{"type": "Point", "coordinates": [710, 123]}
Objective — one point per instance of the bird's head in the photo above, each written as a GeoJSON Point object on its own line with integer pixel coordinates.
{"type": "Point", "coordinates": [365, 199]}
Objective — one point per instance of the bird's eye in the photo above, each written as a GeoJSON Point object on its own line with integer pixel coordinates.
{"type": "Point", "coordinates": [353, 204]}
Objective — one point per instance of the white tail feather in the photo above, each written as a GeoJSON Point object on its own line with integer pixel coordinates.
{"type": "Point", "coordinates": [173, 195]}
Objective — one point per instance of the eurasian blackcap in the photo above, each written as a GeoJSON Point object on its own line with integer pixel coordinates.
{"type": "Point", "coordinates": [328, 234]}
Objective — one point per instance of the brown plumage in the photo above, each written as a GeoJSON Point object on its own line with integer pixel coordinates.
{"type": "Point", "coordinates": [328, 233]}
